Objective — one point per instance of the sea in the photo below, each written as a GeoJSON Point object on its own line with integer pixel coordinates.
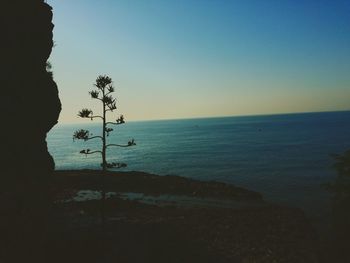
{"type": "Point", "coordinates": [288, 158]}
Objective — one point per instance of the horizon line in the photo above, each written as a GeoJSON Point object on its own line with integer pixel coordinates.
{"type": "Point", "coordinates": [222, 116]}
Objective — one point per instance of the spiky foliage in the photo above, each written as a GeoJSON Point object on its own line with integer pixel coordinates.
{"type": "Point", "coordinates": [81, 135]}
{"type": "Point", "coordinates": [102, 82]}
{"type": "Point", "coordinates": [85, 113]}
{"type": "Point", "coordinates": [103, 92]}
{"type": "Point", "coordinates": [94, 94]}
{"type": "Point", "coordinates": [120, 120]}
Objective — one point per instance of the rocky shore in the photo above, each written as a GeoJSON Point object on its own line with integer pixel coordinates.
{"type": "Point", "coordinates": [150, 184]}
{"type": "Point", "coordinates": [136, 231]}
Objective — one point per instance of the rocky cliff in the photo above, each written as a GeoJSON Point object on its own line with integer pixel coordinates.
{"type": "Point", "coordinates": [29, 107]}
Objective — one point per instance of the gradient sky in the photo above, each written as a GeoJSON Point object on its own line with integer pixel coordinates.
{"type": "Point", "coordinates": [192, 58]}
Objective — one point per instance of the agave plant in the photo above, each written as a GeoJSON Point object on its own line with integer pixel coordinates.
{"type": "Point", "coordinates": [103, 92]}
{"type": "Point", "coordinates": [104, 87]}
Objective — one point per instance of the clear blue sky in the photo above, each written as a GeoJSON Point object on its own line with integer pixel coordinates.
{"type": "Point", "coordinates": [191, 58]}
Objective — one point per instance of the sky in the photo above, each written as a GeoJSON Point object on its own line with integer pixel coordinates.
{"type": "Point", "coordinates": [201, 58]}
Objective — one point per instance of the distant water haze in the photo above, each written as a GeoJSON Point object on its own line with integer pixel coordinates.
{"type": "Point", "coordinates": [285, 157]}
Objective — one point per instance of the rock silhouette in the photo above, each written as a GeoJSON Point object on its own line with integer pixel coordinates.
{"type": "Point", "coordinates": [29, 109]}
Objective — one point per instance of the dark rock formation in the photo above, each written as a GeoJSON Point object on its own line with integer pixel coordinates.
{"type": "Point", "coordinates": [29, 107]}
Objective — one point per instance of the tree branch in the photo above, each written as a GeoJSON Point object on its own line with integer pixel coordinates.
{"type": "Point", "coordinates": [95, 116]}
{"type": "Point", "coordinates": [88, 152]}
{"type": "Point", "coordinates": [130, 143]}
{"type": "Point", "coordinates": [93, 137]}
{"type": "Point", "coordinates": [118, 145]}
{"type": "Point", "coordinates": [94, 152]}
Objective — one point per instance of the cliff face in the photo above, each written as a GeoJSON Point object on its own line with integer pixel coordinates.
{"type": "Point", "coordinates": [29, 107]}
{"type": "Point", "coordinates": [29, 98]}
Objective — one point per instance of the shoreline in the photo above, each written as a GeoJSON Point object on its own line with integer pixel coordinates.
{"type": "Point", "coordinates": [151, 184]}
{"type": "Point", "coordinates": [177, 233]}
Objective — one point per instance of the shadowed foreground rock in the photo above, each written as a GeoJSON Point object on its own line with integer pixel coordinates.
{"type": "Point", "coordinates": [137, 232]}
{"type": "Point", "coordinates": [29, 107]}
{"type": "Point", "coordinates": [142, 232]}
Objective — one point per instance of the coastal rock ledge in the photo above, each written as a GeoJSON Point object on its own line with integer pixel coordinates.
{"type": "Point", "coordinates": [203, 222]}
{"type": "Point", "coordinates": [29, 109]}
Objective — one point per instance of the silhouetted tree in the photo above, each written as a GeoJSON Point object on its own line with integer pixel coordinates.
{"type": "Point", "coordinates": [104, 89]}
{"type": "Point", "coordinates": [103, 92]}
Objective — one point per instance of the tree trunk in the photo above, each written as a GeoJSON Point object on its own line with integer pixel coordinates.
{"type": "Point", "coordinates": [104, 163]}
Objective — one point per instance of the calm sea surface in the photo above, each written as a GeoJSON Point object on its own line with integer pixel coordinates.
{"type": "Point", "coordinates": [285, 157]}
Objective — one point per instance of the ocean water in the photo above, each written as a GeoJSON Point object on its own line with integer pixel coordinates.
{"type": "Point", "coordinates": [285, 157]}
